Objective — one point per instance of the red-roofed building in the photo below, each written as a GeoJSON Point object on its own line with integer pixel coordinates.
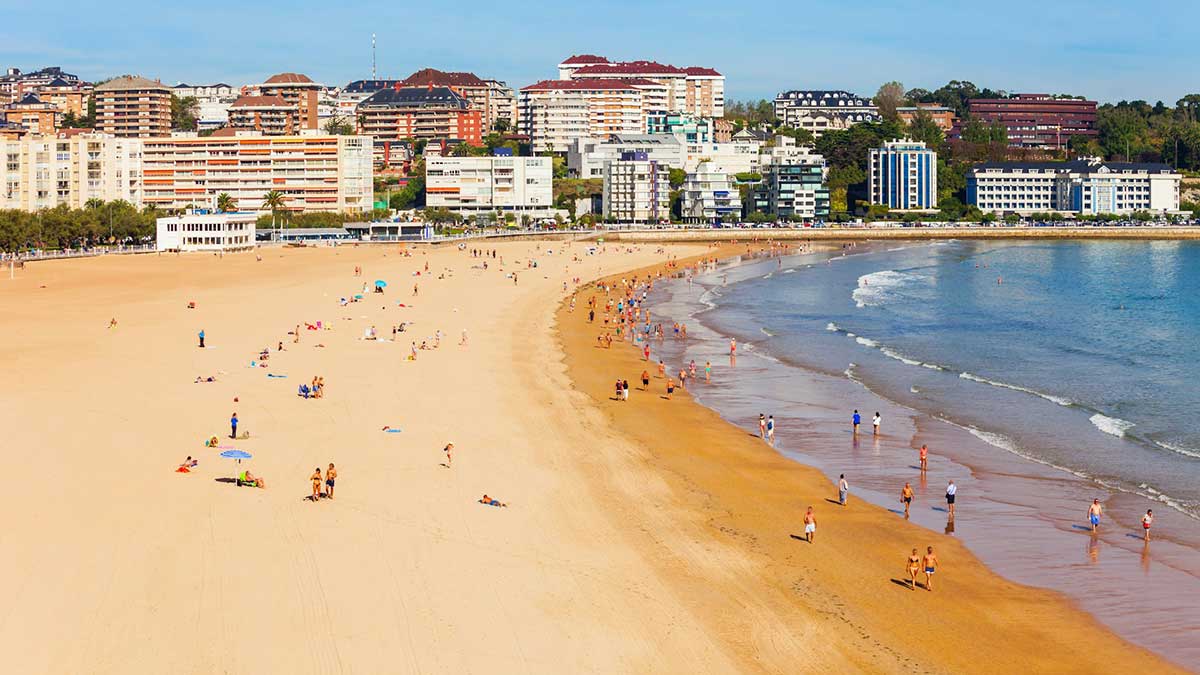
{"type": "Point", "coordinates": [556, 112]}
{"type": "Point", "coordinates": [694, 90]}
{"type": "Point", "coordinates": [299, 91]}
{"type": "Point", "coordinates": [493, 99]}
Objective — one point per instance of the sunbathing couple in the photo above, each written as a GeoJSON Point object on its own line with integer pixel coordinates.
{"type": "Point", "coordinates": [330, 480]}
{"type": "Point", "coordinates": [317, 390]}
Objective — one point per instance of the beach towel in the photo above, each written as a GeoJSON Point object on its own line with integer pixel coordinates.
{"type": "Point", "coordinates": [183, 469]}
{"type": "Point", "coordinates": [391, 430]}
{"type": "Point", "coordinates": [276, 376]}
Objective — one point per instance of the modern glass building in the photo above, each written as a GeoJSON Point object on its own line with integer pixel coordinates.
{"type": "Point", "coordinates": [903, 176]}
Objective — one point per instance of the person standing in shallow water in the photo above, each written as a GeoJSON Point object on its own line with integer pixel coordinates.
{"type": "Point", "coordinates": [856, 420]}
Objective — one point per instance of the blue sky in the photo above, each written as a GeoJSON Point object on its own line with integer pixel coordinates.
{"type": "Point", "coordinates": [1100, 49]}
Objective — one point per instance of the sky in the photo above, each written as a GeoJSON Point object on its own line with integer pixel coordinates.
{"type": "Point", "coordinates": [1101, 49]}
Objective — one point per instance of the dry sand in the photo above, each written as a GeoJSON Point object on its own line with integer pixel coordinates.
{"type": "Point", "coordinates": [650, 538]}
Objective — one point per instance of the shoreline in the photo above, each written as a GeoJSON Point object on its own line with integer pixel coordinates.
{"type": "Point", "coordinates": [743, 496]}
{"type": "Point", "coordinates": [835, 234]}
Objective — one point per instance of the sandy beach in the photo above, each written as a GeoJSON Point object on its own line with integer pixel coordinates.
{"type": "Point", "coordinates": [647, 536]}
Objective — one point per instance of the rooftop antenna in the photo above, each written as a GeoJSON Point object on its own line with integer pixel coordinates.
{"type": "Point", "coordinates": [372, 56]}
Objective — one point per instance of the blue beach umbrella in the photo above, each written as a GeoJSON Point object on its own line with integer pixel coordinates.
{"type": "Point", "coordinates": [380, 283]}
{"type": "Point", "coordinates": [239, 455]}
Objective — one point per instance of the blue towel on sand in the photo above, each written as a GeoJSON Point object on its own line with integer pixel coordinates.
{"type": "Point", "coordinates": [274, 375]}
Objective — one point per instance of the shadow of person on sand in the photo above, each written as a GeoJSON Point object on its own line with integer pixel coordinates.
{"type": "Point", "coordinates": [798, 537]}
{"type": "Point", "coordinates": [905, 584]}
{"type": "Point", "coordinates": [834, 502]}
{"type": "Point", "coordinates": [226, 479]}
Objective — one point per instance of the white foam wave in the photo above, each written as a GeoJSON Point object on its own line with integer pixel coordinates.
{"type": "Point", "coordinates": [899, 357]}
{"type": "Point", "coordinates": [1190, 452]}
{"type": "Point", "coordinates": [831, 326]}
{"type": "Point", "coordinates": [912, 389]}
{"type": "Point", "coordinates": [866, 342]}
{"type": "Point", "coordinates": [932, 366]}
{"type": "Point", "coordinates": [1111, 425]}
{"type": "Point", "coordinates": [875, 288]}
{"type": "Point", "coordinates": [1060, 400]}
{"type": "Point", "coordinates": [789, 271]}
{"type": "Point", "coordinates": [767, 332]}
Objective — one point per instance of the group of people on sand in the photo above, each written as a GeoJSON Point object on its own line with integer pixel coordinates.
{"type": "Point", "coordinates": [329, 480]}
{"type": "Point", "coordinates": [315, 390]}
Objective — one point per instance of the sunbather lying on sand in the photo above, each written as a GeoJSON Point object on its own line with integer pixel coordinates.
{"type": "Point", "coordinates": [250, 479]}
{"type": "Point", "coordinates": [491, 502]}
{"type": "Point", "coordinates": [201, 378]}
{"type": "Point", "coordinates": [187, 466]}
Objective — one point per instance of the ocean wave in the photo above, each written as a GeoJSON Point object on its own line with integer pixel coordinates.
{"type": "Point", "coordinates": [788, 271]}
{"type": "Point", "coordinates": [912, 389]}
{"type": "Point", "coordinates": [1111, 425]}
{"type": "Point", "coordinates": [874, 288]}
{"type": "Point", "coordinates": [866, 342]}
{"type": "Point", "coordinates": [1063, 401]}
{"type": "Point", "coordinates": [1190, 452]}
{"type": "Point", "coordinates": [891, 353]}
{"type": "Point", "coordinates": [932, 366]}
{"type": "Point", "coordinates": [767, 332]}
{"type": "Point", "coordinates": [831, 326]}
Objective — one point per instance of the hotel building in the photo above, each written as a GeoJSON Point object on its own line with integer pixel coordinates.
{"type": "Point", "coordinates": [821, 111]}
{"type": "Point", "coordinates": [637, 189]}
{"type": "Point", "coordinates": [470, 185]}
{"type": "Point", "coordinates": [1038, 121]}
{"type": "Point", "coordinates": [693, 90]}
{"type": "Point", "coordinates": [41, 172]}
{"type": "Point", "coordinates": [420, 112]}
{"type": "Point", "coordinates": [200, 231]}
{"type": "Point", "coordinates": [314, 172]}
{"type": "Point", "coordinates": [709, 196]}
{"type": "Point", "coordinates": [300, 92]}
{"type": "Point", "coordinates": [903, 176]}
{"type": "Point", "coordinates": [1085, 186]}
{"type": "Point", "coordinates": [133, 107]}
{"type": "Point", "coordinates": [554, 113]}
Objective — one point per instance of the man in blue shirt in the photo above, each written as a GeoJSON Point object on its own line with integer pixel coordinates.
{"type": "Point", "coordinates": [857, 421]}
{"type": "Point", "coordinates": [201, 338]}
{"type": "Point", "coordinates": [233, 426]}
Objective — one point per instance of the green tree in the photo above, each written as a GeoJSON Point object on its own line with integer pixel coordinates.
{"type": "Point", "coordinates": [923, 128]}
{"type": "Point", "coordinates": [889, 97]}
{"type": "Point", "coordinates": [226, 203]}
{"type": "Point", "coordinates": [274, 200]}
{"type": "Point", "coordinates": [339, 125]}
{"type": "Point", "coordinates": [677, 178]}
{"type": "Point", "coordinates": [184, 111]}
{"type": "Point", "coordinates": [801, 136]}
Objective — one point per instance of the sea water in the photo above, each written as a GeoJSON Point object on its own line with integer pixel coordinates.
{"type": "Point", "coordinates": [1041, 373]}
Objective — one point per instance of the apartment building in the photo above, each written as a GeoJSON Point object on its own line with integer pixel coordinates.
{"type": "Point", "coordinates": [637, 189]}
{"type": "Point", "coordinates": [693, 90]}
{"type": "Point", "coordinates": [945, 118]}
{"type": "Point", "coordinates": [473, 185]}
{"type": "Point", "coordinates": [553, 113]}
{"type": "Point", "coordinates": [1038, 121]}
{"type": "Point", "coordinates": [15, 84]}
{"type": "Point", "coordinates": [133, 107]}
{"type": "Point", "coordinates": [300, 92]}
{"type": "Point", "coordinates": [1088, 186]}
{"type": "Point", "coordinates": [31, 112]}
{"type": "Point", "coordinates": [903, 176]}
{"type": "Point", "coordinates": [420, 112]}
{"type": "Point", "coordinates": [44, 171]}
{"type": "Point", "coordinates": [793, 186]}
{"type": "Point", "coordinates": [268, 115]}
{"type": "Point", "coordinates": [494, 99]}
{"type": "Point", "coordinates": [212, 102]}
{"type": "Point", "coordinates": [819, 111]}
{"type": "Point", "coordinates": [206, 231]}
{"type": "Point", "coordinates": [587, 156]}
{"type": "Point", "coordinates": [692, 129]}
{"type": "Point", "coordinates": [313, 172]}
{"type": "Point", "coordinates": [710, 196]}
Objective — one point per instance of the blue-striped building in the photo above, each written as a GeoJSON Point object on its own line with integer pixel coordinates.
{"type": "Point", "coordinates": [904, 176]}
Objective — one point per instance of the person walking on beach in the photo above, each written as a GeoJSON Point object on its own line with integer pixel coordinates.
{"type": "Point", "coordinates": [843, 489]}
{"type": "Point", "coordinates": [762, 426]}
{"type": "Point", "coordinates": [707, 372]}
{"type": "Point", "coordinates": [201, 336]}
{"type": "Point", "coordinates": [316, 484]}
{"type": "Point", "coordinates": [856, 420]}
{"type": "Point", "coordinates": [1094, 512]}
{"type": "Point", "coordinates": [1147, 521]}
{"type": "Point", "coordinates": [875, 423]}
{"type": "Point", "coordinates": [951, 491]}
{"type": "Point", "coordinates": [924, 457]}
{"type": "Point", "coordinates": [625, 389]}
{"type": "Point", "coordinates": [330, 479]}
{"type": "Point", "coordinates": [913, 566]}
{"type": "Point", "coordinates": [771, 429]}
{"type": "Point", "coordinates": [810, 525]}
{"type": "Point", "coordinates": [449, 450]}
{"type": "Point", "coordinates": [906, 496]}
{"type": "Point", "coordinates": [645, 379]}
{"type": "Point", "coordinates": [233, 421]}
{"type": "Point", "coordinates": [929, 562]}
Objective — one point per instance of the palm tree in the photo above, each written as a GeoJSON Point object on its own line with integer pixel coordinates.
{"type": "Point", "coordinates": [274, 200]}
{"type": "Point", "coordinates": [225, 203]}
{"type": "Point", "coordinates": [94, 203]}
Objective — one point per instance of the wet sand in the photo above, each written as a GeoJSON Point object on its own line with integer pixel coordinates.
{"type": "Point", "coordinates": [743, 502]}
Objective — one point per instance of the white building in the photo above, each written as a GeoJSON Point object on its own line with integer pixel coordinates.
{"type": "Point", "coordinates": [1085, 186]}
{"type": "Point", "coordinates": [41, 172]}
{"type": "Point", "coordinates": [637, 189]}
{"type": "Point", "coordinates": [200, 231]}
{"type": "Point", "coordinates": [709, 195]}
{"type": "Point", "coordinates": [694, 90]}
{"type": "Point", "coordinates": [212, 102]}
{"type": "Point", "coordinates": [470, 185]}
{"type": "Point", "coordinates": [553, 113]}
{"type": "Point", "coordinates": [903, 176]}
{"type": "Point", "coordinates": [587, 156]}
{"type": "Point", "coordinates": [314, 172]}
{"type": "Point", "coordinates": [821, 111]}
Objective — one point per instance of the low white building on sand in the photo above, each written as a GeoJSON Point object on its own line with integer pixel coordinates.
{"type": "Point", "coordinates": [202, 231]}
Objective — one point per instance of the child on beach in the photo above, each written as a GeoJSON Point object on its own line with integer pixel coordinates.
{"type": "Point", "coordinates": [810, 525]}
{"type": "Point", "coordinates": [707, 371]}
{"type": "Point", "coordinates": [449, 450]}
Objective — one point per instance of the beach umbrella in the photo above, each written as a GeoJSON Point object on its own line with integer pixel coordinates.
{"type": "Point", "coordinates": [358, 296]}
{"type": "Point", "coordinates": [239, 455]}
{"type": "Point", "coordinates": [380, 283]}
